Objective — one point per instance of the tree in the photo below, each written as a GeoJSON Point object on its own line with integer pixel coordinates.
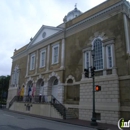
{"type": "Point", "coordinates": [4, 85]}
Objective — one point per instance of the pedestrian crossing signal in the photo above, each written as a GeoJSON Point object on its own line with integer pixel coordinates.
{"type": "Point", "coordinates": [98, 88]}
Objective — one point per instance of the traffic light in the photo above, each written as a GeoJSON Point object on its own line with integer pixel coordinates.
{"type": "Point", "coordinates": [92, 71]}
{"type": "Point", "coordinates": [86, 73]}
{"type": "Point", "coordinates": [98, 88]}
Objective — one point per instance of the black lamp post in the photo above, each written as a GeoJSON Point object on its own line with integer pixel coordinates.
{"type": "Point", "coordinates": [93, 120]}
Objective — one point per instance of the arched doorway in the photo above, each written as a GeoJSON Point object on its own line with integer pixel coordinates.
{"type": "Point", "coordinates": [39, 87]}
{"type": "Point", "coordinates": [29, 88]}
{"type": "Point", "coordinates": [53, 87]}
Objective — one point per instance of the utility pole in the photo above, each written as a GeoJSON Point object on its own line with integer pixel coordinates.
{"type": "Point", "coordinates": [93, 120]}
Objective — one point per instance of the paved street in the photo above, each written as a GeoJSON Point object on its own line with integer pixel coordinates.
{"type": "Point", "coordinates": [14, 121]}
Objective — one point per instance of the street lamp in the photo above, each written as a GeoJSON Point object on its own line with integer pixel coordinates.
{"type": "Point", "coordinates": [93, 120]}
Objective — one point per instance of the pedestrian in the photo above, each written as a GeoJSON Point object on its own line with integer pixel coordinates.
{"type": "Point", "coordinates": [40, 96]}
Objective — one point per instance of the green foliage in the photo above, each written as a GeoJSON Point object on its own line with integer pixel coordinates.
{"type": "Point", "coordinates": [4, 85]}
{"type": "Point", "coordinates": [3, 102]}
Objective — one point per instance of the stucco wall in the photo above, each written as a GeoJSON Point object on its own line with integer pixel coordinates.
{"type": "Point", "coordinates": [22, 63]}
{"type": "Point", "coordinates": [83, 39]}
{"type": "Point", "coordinates": [38, 109]}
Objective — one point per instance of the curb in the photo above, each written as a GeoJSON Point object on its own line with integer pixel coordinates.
{"type": "Point", "coordinates": [60, 120]}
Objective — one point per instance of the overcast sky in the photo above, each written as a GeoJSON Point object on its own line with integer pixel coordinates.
{"type": "Point", "coordinates": [21, 19]}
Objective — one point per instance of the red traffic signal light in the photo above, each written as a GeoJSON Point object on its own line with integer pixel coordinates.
{"type": "Point", "coordinates": [98, 88]}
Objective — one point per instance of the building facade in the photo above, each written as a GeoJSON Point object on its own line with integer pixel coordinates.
{"type": "Point", "coordinates": [54, 61]}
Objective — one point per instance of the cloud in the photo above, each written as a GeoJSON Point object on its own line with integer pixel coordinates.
{"type": "Point", "coordinates": [21, 19]}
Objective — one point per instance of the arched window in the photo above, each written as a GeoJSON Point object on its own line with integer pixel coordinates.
{"type": "Point", "coordinates": [15, 77]}
{"type": "Point", "coordinates": [98, 60]}
{"type": "Point", "coordinates": [70, 81]}
{"type": "Point", "coordinates": [39, 86]}
{"type": "Point", "coordinates": [55, 82]}
{"type": "Point", "coordinates": [42, 83]}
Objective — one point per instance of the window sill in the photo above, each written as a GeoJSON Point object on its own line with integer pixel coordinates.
{"type": "Point", "coordinates": [55, 63]}
{"type": "Point", "coordinates": [32, 69]}
{"type": "Point", "coordinates": [41, 67]}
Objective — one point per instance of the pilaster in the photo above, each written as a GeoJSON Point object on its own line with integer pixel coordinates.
{"type": "Point", "coordinates": [27, 66]}
{"type": "Point", "coordinates": [104, 61]}
{"type": "Point", "coordinates": [62, 53]}
{"type": "Point", "coordinates": [48, 57]}
{"type": "Point", "coordinates": [36, 62]}
{"type": "Point", "coordinates": [126, 33]}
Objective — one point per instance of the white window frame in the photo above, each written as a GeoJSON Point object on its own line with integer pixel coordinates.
{"type": "Point", "coordinates": [41, 58]}
{"type": "Point", "coordinates": [53, 47]}
{"type": "Point", "coordinates": [108, 66]}
{"type": "Point", "coordinates": [85, 59]}
{"type": "Point", "coordinates": [32, 66]}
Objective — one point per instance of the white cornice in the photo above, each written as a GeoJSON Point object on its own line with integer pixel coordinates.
{"type": "Point", "coordinates": [40, 30]}
{"type": "Point", "coordinates": [70, 30]}
{"type": "Point", "coordinates": [47, 41]}
{"type": "Point", "coordinates": [98, 14]}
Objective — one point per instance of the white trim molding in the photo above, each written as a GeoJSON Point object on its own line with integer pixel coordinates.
{"type": "Point", "coordinates": [48, 58]}
{"type": "Point", "coordinates": [54, 74]}
{"type": "Point", "coordinates": [127, 39]}
{"type": "Point", "coordinates": [62, 53]}
{"type": "Point", "coordinates": [40, 77]}
{"type": "Point", "coordinates": [27, 66]}
{"type": "Point", "coordinates": [70, 77]}
{"type": "Point", "coordinates": [110, 42]}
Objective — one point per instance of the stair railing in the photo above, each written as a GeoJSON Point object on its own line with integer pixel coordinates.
{"type": "Point", "coordinates": [12, 101]}
{"type": "Point", "coordinates": [58, 106]}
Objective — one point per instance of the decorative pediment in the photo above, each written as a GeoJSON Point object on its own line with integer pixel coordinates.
{"type": "Point", "coordinates": [43, 33]}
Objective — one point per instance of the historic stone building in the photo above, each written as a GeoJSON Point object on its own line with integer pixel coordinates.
{"type": "Point", "coordinates": [54, 60]}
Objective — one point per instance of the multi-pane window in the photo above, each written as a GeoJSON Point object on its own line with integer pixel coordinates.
{"type": "Point", "coordinates": [55, 82]}
{"type": "Point", "coordinates": [98, 59]}
{"type": "Point", "coordinates": [87, 60]}
{"type": "Point", "coordinates": [32, 62]}
{"type": "Point", "coordinates": [42, 58]}
{"type": "Point", "coordinates": [55, 54]}
{"type": "Point", "coordinates": [15, 77]}
{"type": "Point", "coordinates": [109, 56]}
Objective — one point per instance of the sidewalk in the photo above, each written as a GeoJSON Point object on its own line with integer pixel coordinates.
{"type": "Point", "coordinates": [101, 126]}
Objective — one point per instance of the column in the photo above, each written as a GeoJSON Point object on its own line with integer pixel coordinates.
{"type": "Point", "coordinates": [36, 62]}
{"type": "Point", "coordinates": [27, 66]}
{"type": "Point", "coordinates": [48, 57]}
{"type": "Point", "coordinates": [18, 77]}
{"type": "Point", "coordinates": [83, 65]}
{"type": "Point", "coordinates": [126, 33]}
{"type": "Point", "coordinates": [104, 61]}
{"type": "Point", "coordinates": [62, 53]}
{"type": "Point", "coordinates": [113, 59]}
{"type": "Point", "coordinates": [90, 62]}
